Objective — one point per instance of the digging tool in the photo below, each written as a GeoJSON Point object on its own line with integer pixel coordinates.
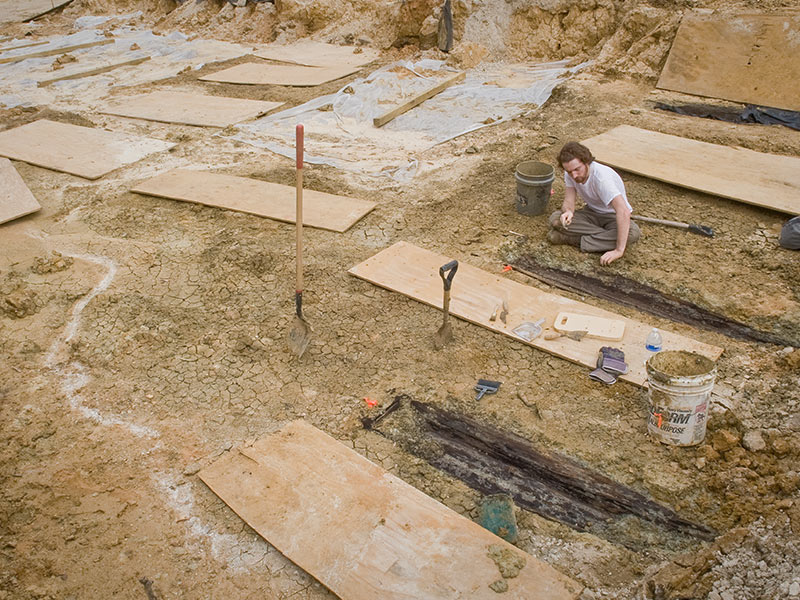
{"type": "Point", "coordinates": [445, 334]}
{"type": "Point", "coordinates": [300, 333]}
{"type": "Point", "coordinates": [486, 386]}
{"type": "Point", "coordinates": [698, 229]}
{"type": "Point", "coordinates": [573, 335]}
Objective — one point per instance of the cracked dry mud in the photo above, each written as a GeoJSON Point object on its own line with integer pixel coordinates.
{"type": "Point", "coordinates": [142, 338]}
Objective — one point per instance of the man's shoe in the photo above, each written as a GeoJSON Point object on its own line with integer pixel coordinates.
{"type": "Point", "coordinates": [555, 237]}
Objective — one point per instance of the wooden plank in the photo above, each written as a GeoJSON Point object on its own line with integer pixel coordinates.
{"type": "Point", "coordinates": [290, 75]}
{"type": "Point", "coordinates": [188, 108]}
{"type": "Point", "coordinates": [16, 199]}
{"type": "Point", "coordinates": [19, 11]}
{"type": "Point", "coordinates": [414, 272]}
{"type": "Point", "coordinates": [52, 51]}
{"type": "Point", "coordinates": [745, 58]}
{"type": "Point", "coordinates": [417, 100]}
{"type": "Point", "coordinates": [95, 71]}
{"type": "Point", "coordinates": [271, 200]}
{"type": "Point", "coordinates": [20, 46]}
{"type": "Point", "coordinates": [361, 531]}
{"type": "Point", "coordinates": [319, 54]}
{"type": "Point", "coordinates": [766, 180]}
{"type": "Point", "coordinates": [82, 151]}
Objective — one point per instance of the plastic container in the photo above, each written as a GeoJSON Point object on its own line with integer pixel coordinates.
{"type": "Point", "coordinates": [534, 184]}
{"type": "Point", "coordinates": [653, 342]}
{"type": "Point", "coordinates": [679, 389]}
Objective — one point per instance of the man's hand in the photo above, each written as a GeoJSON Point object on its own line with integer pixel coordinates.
{"type": "Point", "coordinates": [611, 256]}
{"type": "Point", "coordinates": [566, 218]}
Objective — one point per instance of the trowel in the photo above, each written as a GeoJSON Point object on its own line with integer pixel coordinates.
{"type": "Point", "coordinates": [573, 335]}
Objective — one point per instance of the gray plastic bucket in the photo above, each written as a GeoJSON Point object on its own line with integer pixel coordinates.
{"type": "Point", "coordinates": [679, 389]}
{"type": "Point", "coordinates": [534, 182]}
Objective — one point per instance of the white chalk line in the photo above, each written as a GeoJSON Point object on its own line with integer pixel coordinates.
{"type": "Point", "coordinates": [225, 547]}
{"type": "Point", "coordinates": [74, 377]}
{"type": "Point", "coordinates": [239, 555]}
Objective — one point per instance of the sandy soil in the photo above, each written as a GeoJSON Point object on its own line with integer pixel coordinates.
{"type": "Point", "coordinates": [142, 338]}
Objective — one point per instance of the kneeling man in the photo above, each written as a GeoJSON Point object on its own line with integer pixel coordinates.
{"type": "Point", "coordinates": [604, 224]}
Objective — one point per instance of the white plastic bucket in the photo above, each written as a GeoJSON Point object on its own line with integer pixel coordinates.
{"type": "Point", "coordinates": [534, 183]}
{"type": "Point", "coordinates": [679, 390]}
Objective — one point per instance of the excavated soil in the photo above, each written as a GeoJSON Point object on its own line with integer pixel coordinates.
{"type": "Point", "coordinates": [142, 338]}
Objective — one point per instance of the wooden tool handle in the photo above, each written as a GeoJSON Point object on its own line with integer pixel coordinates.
{"type": "Point", "coordinates": [299, 210]}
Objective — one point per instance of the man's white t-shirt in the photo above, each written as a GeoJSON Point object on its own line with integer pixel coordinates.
{"type": "Point", "coordinates": [600, 188]}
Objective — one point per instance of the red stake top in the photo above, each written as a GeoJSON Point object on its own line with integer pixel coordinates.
{"type": "Point", "coordinates": [299, 144]}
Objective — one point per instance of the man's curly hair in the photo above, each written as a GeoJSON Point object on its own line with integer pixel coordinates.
{"type": "Point", "coordinates": [573, 150]}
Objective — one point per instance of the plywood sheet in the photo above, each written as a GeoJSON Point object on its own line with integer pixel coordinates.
{"type": "Point", "coordinates": [271, 200]}
{"type": "Point", "coordinates": [188, 108]}
{"type": "Point", "coordinates": [745, 58]}
{"type": "Point", "coordinates": [475, 293]}
{"type": "Point", "coordinates": [320, 54]}
{"type": "Point", "coordinates": [16, 199]}
{"type": "Point", "coordinates": [767, 180]}
{"type": "Point", "coordinates": [82, 151]}
{"type": "Point", "coordinates": [268, 74]}
{"type": "Point", "coordinates": [362, 532]}
{"type": "Point", "coordinates": [17, 11]}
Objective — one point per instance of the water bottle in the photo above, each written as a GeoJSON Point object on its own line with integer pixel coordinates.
{"type": "Point", "coordinates": [653, 341]}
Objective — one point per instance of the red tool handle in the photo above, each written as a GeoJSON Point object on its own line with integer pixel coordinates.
{"type": "Point", "coordinates": [299, 145]}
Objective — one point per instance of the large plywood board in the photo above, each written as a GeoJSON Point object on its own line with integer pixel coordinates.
{"type": "Point", "coordinates": [17, 11]}
{"type": "Point", "coordinates": [475, 294]}
{"type": "Point", "coordinates": [268, 74]}
{"type": "Point", "coordinates": [364, 533]}
{"type": "Point", "coordinates": [271, 200]}
{"type": "Point", "coordinates": [745, 58]}
{"type": "Point", "coordinates": [16, 199]}
{"type": "Point", "coordinates": [766, 180]}
{"type": "Point", "coordinates": [188, 108]}
{"type": "Point", "coordinates": [319, 54]}
{"type": "Point", "coordinates": [82, 151]}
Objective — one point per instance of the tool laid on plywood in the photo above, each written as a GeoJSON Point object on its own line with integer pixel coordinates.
{"type": "Point", "coordinates": [486, 386]}
{"type": "Point", "coordinates": [593, 326]}
{"type": "Point", "coordinates": [529, 331]}
{"type": "Point", "coordinates": [445, 334]}
{"type": "Point", "coordinates": [504, 312]}
{"type": "Point", "coordinates": [300, 333]}
{"type": "Point", "coordinates": [573, 335]}
{"type": "Point", "coordinates": [698, 229]}
{"type": "Point", "coordinates": [494, 313]}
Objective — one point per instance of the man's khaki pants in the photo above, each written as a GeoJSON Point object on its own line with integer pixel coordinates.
{"type": "Point", "coordinates": [592, 231]}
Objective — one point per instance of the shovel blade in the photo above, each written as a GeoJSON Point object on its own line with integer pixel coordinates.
{"type": "Point", "coordinates": [443, 336]}
{"type": "Point", "coordinates": [299, 335]}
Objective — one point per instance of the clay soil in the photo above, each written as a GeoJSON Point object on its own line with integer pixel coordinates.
{"type": "Point", "coordinates": [142, 338]}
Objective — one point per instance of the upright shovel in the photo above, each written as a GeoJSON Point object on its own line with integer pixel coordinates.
{"type": "Point", "coordinates": [445, 334]}
{"type": "Point", "coordinates": [300, 333]}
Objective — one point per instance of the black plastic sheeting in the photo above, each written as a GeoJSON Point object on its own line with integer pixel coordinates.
{"type": "Point", "coordinates": [750, 114]}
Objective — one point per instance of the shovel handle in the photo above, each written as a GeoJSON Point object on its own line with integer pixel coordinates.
{"type": "Point", "coordinates": [299, 213]}
{"type": "Point", "coordinates": [452, 267]}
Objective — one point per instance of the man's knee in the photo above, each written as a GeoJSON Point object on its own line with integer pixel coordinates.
{"type": "Point", "coordinates": [634, 233]}
{"type": "Point", "coordinates": [555, 220]}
